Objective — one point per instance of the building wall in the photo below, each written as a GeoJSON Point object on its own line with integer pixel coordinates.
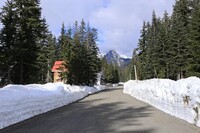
{"type": "Point", "coordinates": [57, 77]}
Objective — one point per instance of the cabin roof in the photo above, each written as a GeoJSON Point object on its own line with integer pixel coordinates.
{"type": "Point", "coordinates": [58, 66]}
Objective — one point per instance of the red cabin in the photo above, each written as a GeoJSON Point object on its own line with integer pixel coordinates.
{"type": "Point", "coordinates": [58, 69]}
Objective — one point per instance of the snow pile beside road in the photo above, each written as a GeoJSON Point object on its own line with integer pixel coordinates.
{"type": "Point", "coordinates": [20, 102]}
{"type": "Point", "coordinates": [179, 98]}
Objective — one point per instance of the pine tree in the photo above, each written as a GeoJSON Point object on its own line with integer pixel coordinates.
{"type": "Point", "coordinates": [155, 46]}
{"type": "Point", "coordinates": [179, 45]}
{"type": "Point", "coordinates": [46, 55]}
{"type": "Point", "coordinates": [8, 42]}
{"type": "Point", "coordinates": [104, 69]}
{"type": "Point", "coordinates": [83, 52]}
{"type": "Point", "coordinates": [110, 72]}
{"type": "Point", "coordinates": [142, 53]}
{"type": "Point", "coordinates": [161, 49]}
{"type": "Point", "coordinates": [149, 69]}
{"type": "Point", "coordinates": [72, 64]}
{"type": "Point", "coordinates": [62, 44]}
{"type": "Point", "coordinates": [194, 41]}
{"type": "Point", "coordinates": [51, 57]}
{"type": "Point", "coordinates": [116, 76]}
{"type": "Point", "coordinates": [166, 41]}
{"type": "Point", "coordinates": [68, 44]}
{"type": "Point", "coordinates": [112, 75]}
{"type": "Point", "coordinates": [94, 63]}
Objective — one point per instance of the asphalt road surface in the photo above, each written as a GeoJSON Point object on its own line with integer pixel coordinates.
{"type": "Point", "coordinates": [108, 111]}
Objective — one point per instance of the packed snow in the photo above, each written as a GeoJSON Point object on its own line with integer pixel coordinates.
{"type": "Point", "coordinates": [179, 98]}
{"type": "Point", "coordinates": [20, 102]}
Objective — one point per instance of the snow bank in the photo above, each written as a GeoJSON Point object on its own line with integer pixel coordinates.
{"type": "Point", "coordinates": [179, 98]}
{"type": "Point", "coordinates": [19, 102]}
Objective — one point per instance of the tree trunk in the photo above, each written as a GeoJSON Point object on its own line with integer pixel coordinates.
{"type": "Point", "coordinates": [178, 75]}
{"type": "Point", "coordinates": [21, 71]}
{"type": "Point", "coordinates": [8, 76]}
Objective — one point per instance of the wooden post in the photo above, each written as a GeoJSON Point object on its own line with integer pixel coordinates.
{"type": "Point", "coordinates": [135, 72]}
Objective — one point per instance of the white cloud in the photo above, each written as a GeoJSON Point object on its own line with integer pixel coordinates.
{"type": "Point", "coordinates": [122, 20]}
{"type": "Point", "coordinates": [118, 21]}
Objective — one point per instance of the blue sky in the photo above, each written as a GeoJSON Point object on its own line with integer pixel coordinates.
{"type": "Point", "coordinates": [118, 21]}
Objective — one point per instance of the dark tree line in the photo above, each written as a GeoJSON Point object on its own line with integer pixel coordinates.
{"type": "Point", "coordinates": [110, 72]}
{"type": "Point", "coordinates": [28, 49]}
{"type": "Point", "coordinates": [169, 47]}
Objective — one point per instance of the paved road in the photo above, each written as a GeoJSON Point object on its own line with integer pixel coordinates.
{"type": "Point", "coordinates": [107, 111]}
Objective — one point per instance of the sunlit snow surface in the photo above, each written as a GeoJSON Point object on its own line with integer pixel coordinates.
{"type": "Point", "coordinates": [20, 102]}
{"type": "Point", "coordinates": [179, 98]}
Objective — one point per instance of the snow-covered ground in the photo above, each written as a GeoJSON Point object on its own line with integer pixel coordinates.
{"type": "Point", "coordinates": [179, 98]}
{"type": "Point", "coordinates": [20, 102]}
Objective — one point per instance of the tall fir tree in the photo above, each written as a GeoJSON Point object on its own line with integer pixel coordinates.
{"type": "Point", "coordinates": [194, 41]}
{"type": "Point", "coordinates": [73, 63]}
{"type": "Point", "coordinates": [142, 53]}
{"type": "Point", "coordinates": [166, 41]}
{"type": "Point", "coordinates": [62, 44]}
{"type": "Point", "coordinates": [46, 55]}
{"type": "Point", "coordinates": [92, 51]}
{"type": "Point", "coordinates": [8, 42]}
{"type": "Point", "coordinates": [179, 44]}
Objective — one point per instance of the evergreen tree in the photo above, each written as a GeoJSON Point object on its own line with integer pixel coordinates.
{"type": "Point", "coordinates": [194, 41]}
{"type": "Point", "coordinates": [116, 76]}
{"type": "Point", "coordinates": [104, 69]}
{"type": "Point", "coordinates": [8, 42]}
{"type": "Point", "coordinates": [161, 49]}
{"type": "Point", "coordinates": [68, 44]}
{"type": "Point", "coordinates": [41, 60]}
{"type": "Point", "coordinates": [149, 69]}
{"type": "Point", "coordinates": [112, 75]}
{"type": "Point", "coordinates": [51, 57]}
{"type": "Point", "coordinates": [73, 63]}
{"type": "Point", "coordinates": [179, 45]}
{"type": "Point", "coordinates": [83, 52]}
{"type": "Point", "coordinates": [92, 60]}
{"type": "Point", "coordinates": [166, 41]}
{"type": "Point", "coordinates": [62, 44]}
{"type": "Point", "coordinates": [46, 55]}
{"type": "Point", "coordinates": [110, 72]}
{"type": "Point", "coordinates": [142, 53]}
{"type": "Point", "coordinates": [155, 46]}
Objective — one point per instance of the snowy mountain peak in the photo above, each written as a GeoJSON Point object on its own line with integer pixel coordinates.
{"type": "Point", "coordinates": [113, 52]}
{"type": "Point", "coordinates": [113, 57]}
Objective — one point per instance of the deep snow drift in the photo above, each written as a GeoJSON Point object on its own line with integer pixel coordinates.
{"type": "Point", "coordinates": [179, 98]}
{"type": "Point", "coordinates": [20, 102]}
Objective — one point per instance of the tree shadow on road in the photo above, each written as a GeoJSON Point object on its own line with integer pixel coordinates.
{"type": "Point", "coordinates": [87, 116]}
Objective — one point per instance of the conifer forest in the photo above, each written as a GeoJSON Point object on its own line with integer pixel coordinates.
{"type": "Point", "coordinates": [169, 47]}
